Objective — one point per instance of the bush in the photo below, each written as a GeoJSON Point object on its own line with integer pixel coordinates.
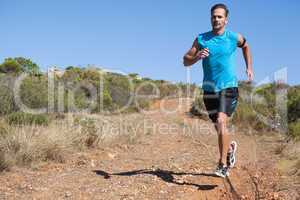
{"type": "Point", "coordinates": [26, 145]}
{"type": "Point", "coordinates": [27, 65]}
{"type": "Point", "coordinates": [260, 111]}
{"type": "Point", "coordinates": [20, 118]}
{"type": "Point", "coordinates": [246, 115]}
{"type": "Point", "coordinates": [10, 66]}
{"type": "Point", "coordinates": [72, 74]}
{"type": "Point", "coordinates": [4, 128]}
{"type": "Point", "coordinates": [119, 89]}
{"type": "Point", "coordinates": [198, 108]}
{"type": "Point", "coordinates": [89, 130]}
{"type": "Point", "coordinates": [294, 103]}
{"type": "Point", "coordinates": [34, 92]}
{"type": "Point", "coordinates": [7, 104]}
{"type": "Point", "coordinates": [142, 103]}
{"type": "Point", "coordinates": [81, 97]}
{"type": "Point", "coordinates": [294, 129]}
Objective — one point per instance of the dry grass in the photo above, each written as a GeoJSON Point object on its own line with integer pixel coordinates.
{"type": "Point", "coordinates": [4, 127]}
{"type": "Point", "coordinates": [25, 145]}
{"type": "Point", "coordinates": [289, 163]}
{"type": "Point", "coordinates": [297, 165]}
{"type": "Point", "coordinates": [3, 162]}
{"type": "Point", "coordinates": [279, 149]}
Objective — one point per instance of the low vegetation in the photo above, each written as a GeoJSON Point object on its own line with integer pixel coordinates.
{"type": "Point", "coordinates": [45, 116]}
{"type": "Point", "coordinates": [257, 109]}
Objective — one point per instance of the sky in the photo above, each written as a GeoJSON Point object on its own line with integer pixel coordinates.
{"type": "Point", "coordinates": [147, 37]}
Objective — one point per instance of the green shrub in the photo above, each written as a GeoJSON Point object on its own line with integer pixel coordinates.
{"type": "Point", "coordinates": [294, 103]}
{"type": "Point", "coordinates": [81, 98]}
{"type": "Point", "coordinates": [294, 129]}
{"type": "Point", "coordinates": [10, 66]}
{"type": "Point", "coordinates": [34, 92]}
{"type": "Point", "coordinates": [72, 74]}
{"type": "Point", "coordinates": [138, 105]}
{"type": "Point", "coordinates": [20, 118]}
{"type": "Point", "coordinates": [90, 75]}
{"type": "Point", "coordinates": [246, 114]}
{"type": "Point", "coordinates": [27, 65]}
{"type": "Point", "coordinates": [198, 108]}
{"type": "Point", "coordinates": [143, 103]}
{"type": "Point", "coordinates": [4, 128]}
{"type": "Point", "coordinates": [263, 115]}
{"type": "Point", "coordinates": [168, 90]}
{"type": "Point", "coordinates": [7, 104]}
{"type": "Point", "coordinates": [107, 103]}
{"type": "Point", "coordinates": [119, 89]}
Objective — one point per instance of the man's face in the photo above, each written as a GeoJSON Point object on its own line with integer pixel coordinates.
{"type": "Point", "coordinates": [218, 19]}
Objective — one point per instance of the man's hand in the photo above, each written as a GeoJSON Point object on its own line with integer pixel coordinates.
{"type": "Point", "coordinates": [194, 54]}
{"type": "Point", "coordinates": [203, 53]}
{"type": "Point", "coordinates": [247, 56]}
{"type": "Point", "coordinates": [249, 73]}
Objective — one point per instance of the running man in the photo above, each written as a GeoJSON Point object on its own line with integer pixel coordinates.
{"type": "Point", "coordinates": [217, 50]}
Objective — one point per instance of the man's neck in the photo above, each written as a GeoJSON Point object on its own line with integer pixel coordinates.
{"type": "Point", "coordinates": [218, 31]}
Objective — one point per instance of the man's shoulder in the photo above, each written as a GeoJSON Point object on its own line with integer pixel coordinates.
{"type": "Point", "coordinates": [204, 34]}
{"type": "Point", "coordinates": [231, 31]}
{"type": "Point", "coordinates": [232, 34]}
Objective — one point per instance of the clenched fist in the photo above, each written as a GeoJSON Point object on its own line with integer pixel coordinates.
{"type": "Point", "coordinates": [203, 53]}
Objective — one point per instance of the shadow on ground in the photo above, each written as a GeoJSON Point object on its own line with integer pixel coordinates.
{"type": "Point", "coordinates": [165, 175]}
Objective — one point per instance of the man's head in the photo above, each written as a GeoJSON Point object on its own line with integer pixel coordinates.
{"type": "Point", "coordinates": [219, 13]}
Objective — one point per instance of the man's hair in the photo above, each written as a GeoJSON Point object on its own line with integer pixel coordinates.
{"type": "Point", "coordinates": [220, 5]}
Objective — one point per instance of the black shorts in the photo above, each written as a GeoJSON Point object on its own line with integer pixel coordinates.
{"type": "Point", "coordinates": [224, 101]}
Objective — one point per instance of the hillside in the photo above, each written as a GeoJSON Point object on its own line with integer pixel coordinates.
{"type": "Point", "coordinates": [161, 163]}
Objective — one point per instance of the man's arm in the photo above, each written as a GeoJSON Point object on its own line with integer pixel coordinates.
{"type": "Point", "coordinates": [194, 54]}
{"type": "Point", "coordinates": [242, 43]}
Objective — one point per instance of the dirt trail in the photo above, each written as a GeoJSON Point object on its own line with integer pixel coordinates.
{"type": "Point", "coordinates": [174, 161]}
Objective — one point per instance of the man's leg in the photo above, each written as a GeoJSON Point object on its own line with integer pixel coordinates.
{"type": "Point", "coordinates": [223, 136]}
{"type": "Point", "coordinates": [227, 103]}
{"type": "Point", "coordinates": [219, 141]}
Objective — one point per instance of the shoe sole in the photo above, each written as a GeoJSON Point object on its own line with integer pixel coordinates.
{"type": "Point", "coordinates": [221, 175]}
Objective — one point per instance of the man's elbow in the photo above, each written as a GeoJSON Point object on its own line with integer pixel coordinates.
{"type": "Point", "coordinates": [186, 63]}
{"type": "Point", "coordinates": [246, 46]}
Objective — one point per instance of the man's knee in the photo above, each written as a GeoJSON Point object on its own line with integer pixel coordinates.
{"type": "Point", "coordinates": [222, 118]}
{"type": "Point", "coordinates": [221, 122]}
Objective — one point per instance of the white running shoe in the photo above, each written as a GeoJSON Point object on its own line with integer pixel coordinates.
{"type": "Point", "coordinates": [222, 171]}
{"type": "Point", "coordinates": [231, 154]}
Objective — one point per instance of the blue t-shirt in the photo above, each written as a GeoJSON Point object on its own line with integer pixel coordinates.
{"type": "Point", "coordinates": [219, 66]}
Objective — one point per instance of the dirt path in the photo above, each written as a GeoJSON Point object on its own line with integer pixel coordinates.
{"type": "Point", "coordinates": [174, 161]}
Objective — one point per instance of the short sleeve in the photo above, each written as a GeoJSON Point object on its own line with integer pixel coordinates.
{"type": "Point", "coordinates": [200, 41]}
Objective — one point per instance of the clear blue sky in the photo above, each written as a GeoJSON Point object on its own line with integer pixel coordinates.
{"type": "Point", "coordinates": [147, 37]}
